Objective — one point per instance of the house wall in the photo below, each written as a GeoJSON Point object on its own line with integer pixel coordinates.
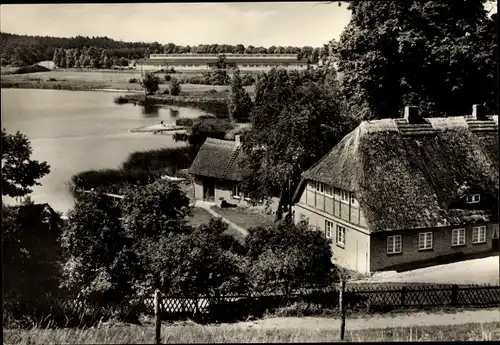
{"type": "Point", "coordinates": [333, 205]}
{"type": "Point", "coordinates": [356, 252]}
{"type": "Point", "coordinates": [441, 247]}
{"type": "Point", "coordinates": [198, 188]}
{"type": "Point", "coordinates": [224, 189]}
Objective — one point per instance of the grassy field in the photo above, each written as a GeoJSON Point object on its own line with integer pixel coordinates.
{"type": "Point", "coordinates": [192, 333]}
{"type": "Point", "coordinates": [201, 216]}
{"type": "Point", "coordinates": [104, 79]}
{"type": "Point", "coordinates": [242, 218]}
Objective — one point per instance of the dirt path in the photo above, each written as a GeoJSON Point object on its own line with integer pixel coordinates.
{"type": "Point", "coordinates": [207, 206]}
{"type": "Point", "coordinates": [416, 319]}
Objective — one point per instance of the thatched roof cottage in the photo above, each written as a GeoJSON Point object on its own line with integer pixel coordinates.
{"type": "Point", "coordinates": [409, 192]}
{"type": "Point", "coordinates": [217, 173]}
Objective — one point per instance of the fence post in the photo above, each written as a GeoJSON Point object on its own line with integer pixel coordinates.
{"type": "Point", "coordinates": [157, 317]}
{"type": "Point", "coordinates": [342, 310]}
{"type": "Point", "coordinates": [403, 295]}
{"type": "Point", "coordinates": [454, 295]}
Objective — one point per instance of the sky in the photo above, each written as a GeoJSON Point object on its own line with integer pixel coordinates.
{"type": "Point", "coordinates": [251, 23]}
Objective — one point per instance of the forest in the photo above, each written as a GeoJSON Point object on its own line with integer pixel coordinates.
{"type": "Point", "coordinates": [104, 52]}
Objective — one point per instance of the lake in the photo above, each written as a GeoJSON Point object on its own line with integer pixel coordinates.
{"type": "Point", "coordinates": [81, 130]}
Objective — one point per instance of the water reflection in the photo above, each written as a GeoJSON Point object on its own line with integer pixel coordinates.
{"type": "Point", "coordinates": [150, 110]}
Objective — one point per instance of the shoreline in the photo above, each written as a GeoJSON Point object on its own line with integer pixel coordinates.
{"type": "Point", "coordinates": [210, 104]}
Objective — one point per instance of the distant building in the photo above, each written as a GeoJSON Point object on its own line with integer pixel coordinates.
{"type": "Point", "coordinates": [217, 173]}
{"type": "Point", "coordinates": [203, 62]}
{"type": "Point", "coordinates": [407, 193]}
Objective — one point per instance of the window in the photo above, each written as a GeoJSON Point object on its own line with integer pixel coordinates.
{"type": "Point", "coordinates": [458, 237]}
{"type": "Point", "coordinates": [337, 193]}
{"type": "Point", "coordinates": [340, 236]}
{"type": "Point", "coordinates": [236, 191]}
{"type": "Point", "coordinates": [320, 187]}
{"type": "Point", "coordinates": [495, 231]}
{"type": "Point", "coordinates": [328, 190]}
{"type": "Point", "coordinates": [479, 234]}
{"type": "Point", "coordinates": [394, 245]}
{"type": "Point", "coordinates": [328, 229]}
{"type": "Point", "coordinates": [473, 198]}
{"type": "Point", "coordinates": [353, 199]}
{"type": "Point", "coordinates": [344, 195]}
{"type": "Point", "coordinates": [425, 240]}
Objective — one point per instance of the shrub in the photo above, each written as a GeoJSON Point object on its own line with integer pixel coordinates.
{"type": "Point", "coordinates": [185, 122]}
{"type": "Point", "coordinates": [150, 83]}
{"type": "Point", "coordinates": [247, 80]}
{"type": "Point", "coordinates": [213, 128]}
{"type": "Point", "coordinates": [31, 69]}
{"type": "Point", "coordinates": [171, 159]}
{"type": "Point", "coordinates": [296, 256]}
{"type": "Point", "coordinates": [52, 79]}
{"type": "Point", "coordinates": [132, 80]}
{"type": "Point", "coordinates": [120, 100]}
{"type": "Point", "coordinates": [206, 116]}
{"type": "Point", "coordinates": [168, 77]}
{"type": "Point", "coordinates": [166, 92]}
{"type": "Point", "coordinates": [175, 87]}
{"type": "Point", "coordinates": [111, 180]}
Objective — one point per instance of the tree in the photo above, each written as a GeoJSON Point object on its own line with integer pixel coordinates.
{"type": "Point", "coordinates": [295, 121]}
{"type": "Point", "coordinates": [150, 83]}
{"type": "Point", "coordinates": [19, 171]}
{"type": "Point", "coordinates": [207, 128]}
{"type": "Point", "coordinates": [285, 257]}
{"type": "Point", "coordinates": [239, 49]}
{"type": "Point", "coordinates": [30, 260]}
{"type": "Point", "coordinates": [423, 53]}
{"type": "Point", "coordinates": [123, 61]}
{"type": "Point", "coordinates": [99, 262]}
{"type": "Point", "coordinates": [194, 264]}
{"type": "Point", "coordinates": [249, 49]}
{"type": "Point", "coordinates": [240, 104]}
{"type": "Point", "coordinates": [155, 210]}
{"type": "Point", "coordinates": [175, 87]}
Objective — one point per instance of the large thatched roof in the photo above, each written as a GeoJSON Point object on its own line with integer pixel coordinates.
{"type": "Point", "coordinates": [219, 159]}
{"type": "Point", "coordinates": [409, 175]}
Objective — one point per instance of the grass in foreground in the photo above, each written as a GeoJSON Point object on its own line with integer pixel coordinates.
{"type": "Point", "coordinates": [243, 218]}
{"type": "Point", "coordinates": [192, 333]}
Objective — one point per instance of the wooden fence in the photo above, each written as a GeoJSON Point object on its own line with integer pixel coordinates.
{"type": "Point", "coordinates": [370, 296]}
{"type": "Point", "coordinates": [427, 295]}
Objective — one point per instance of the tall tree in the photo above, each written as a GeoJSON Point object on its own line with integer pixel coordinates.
{"type": "Point", "coordinates": [430, 54]}
{"type": "Point", "coordinates": [286, 257]}
{"type": "Point", "coordinates": [295, 121]}
{"type": "Point", "coordinates": [240, 104]}
{"type": "Point", "coordinates": [99, 263]}
{"type": "Point", "coordinates": [155, 210]}
{"type": "Point", "coordinates": [150, 83]}
{"type": "Point", "coordinates": [19, 171]}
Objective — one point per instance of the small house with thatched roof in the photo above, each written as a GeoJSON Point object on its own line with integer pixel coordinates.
{"type": "Point", "coordinates": [217, 173]}
{"type": "Point", "coordinates": [406, 193]}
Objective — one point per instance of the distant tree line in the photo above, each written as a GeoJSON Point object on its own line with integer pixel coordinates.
{"type": "Point", "coordinates": [21, 50]}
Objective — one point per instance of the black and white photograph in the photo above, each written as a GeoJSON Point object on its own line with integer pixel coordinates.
{"type": "Point", "coordinates": [250, 172]}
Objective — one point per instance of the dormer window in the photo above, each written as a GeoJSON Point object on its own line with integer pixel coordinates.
{"type": "Point", "coordinates": [473, 198]}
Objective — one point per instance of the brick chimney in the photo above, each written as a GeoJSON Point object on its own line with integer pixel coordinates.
{"type": "Point", "coordinates": [412, 115]}
{"type": "Point", "coordinates": [478, 112]}
{"type": "Point", "coordinates": [237, 139]}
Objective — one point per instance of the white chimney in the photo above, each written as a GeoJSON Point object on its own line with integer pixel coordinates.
{"type": "Point", "coordinates": [237, 139]}
{"type": "Point", "coordinates": [478, 112]}
{"type": "Point", "coordinates": [411, 114]}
